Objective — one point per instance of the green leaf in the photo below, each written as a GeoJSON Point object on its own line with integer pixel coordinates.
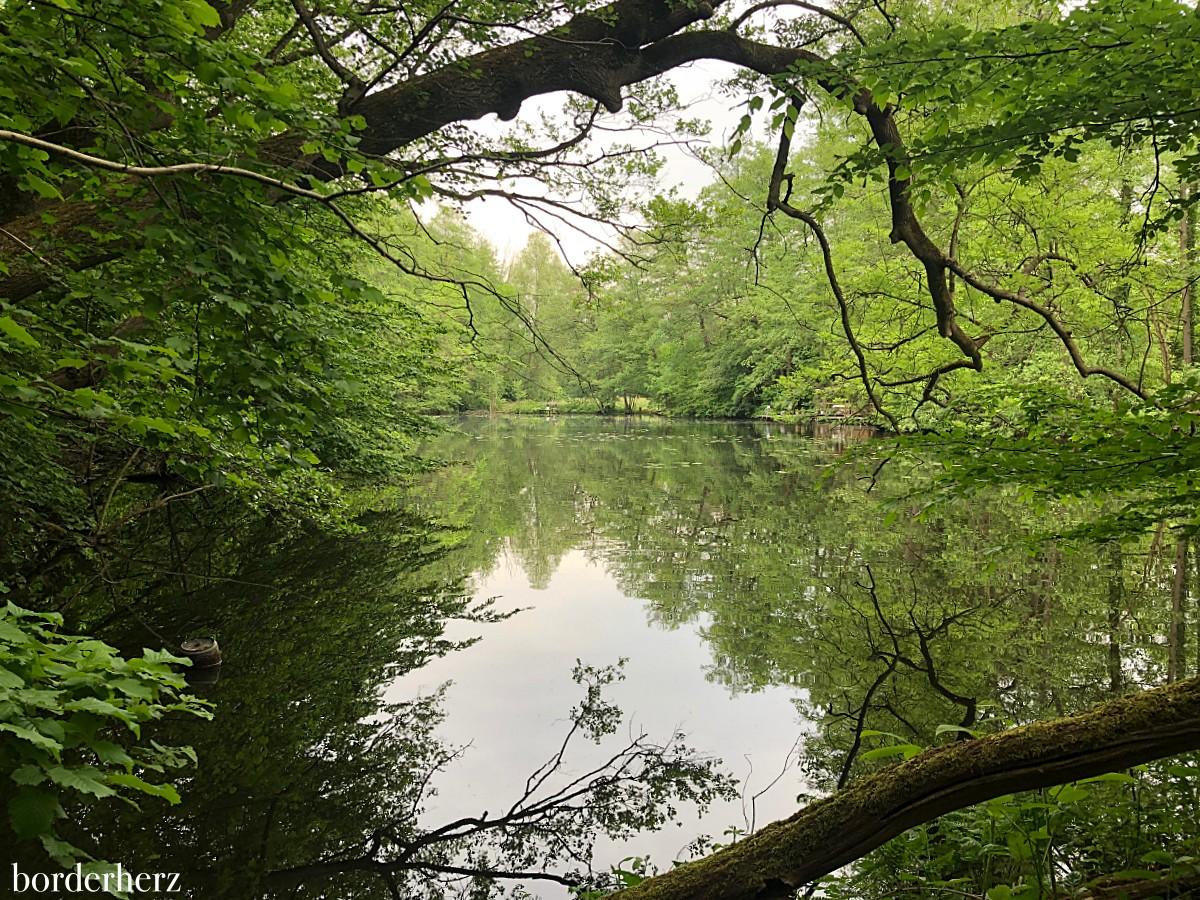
{"type": "Point", "coordinates": [63, 853]}
{"type": "Point", "coordinates": [102, 868]}
{"type": "Point", "coordinates": [32, 811]}
{"type": "Point", "coordinates": [29, 775]}
{"type": "Point", "coordinates": [111, 753]}
{"type": "Point", "coordinates": [957, 729]}
{"type": "Point", "coordinates": [132, 687]}
{"type": "Point", "coordinates": [1018, 846]}
{"type": "Point", "coordinates": [10, 679]}
{"type": "Point", "coordinates": [905, 751]}
{"type": "Point", "coordinates": [1162, 857]}
{"type": "Point", "coordinates": [166, 791]}
{"type": "Point", "coordinates": [203, 14]}
{"type": "Point", "coordinates": [97, 706]}
{"type": "Point", "coordinates": [33, 737]}
{"type": "Point", "coordinates": [85, 779]}
{"type": "Point", "coordinates": [161, 657]}
{"type": "Point", "coordinates": [16, 333]}
{"type": "Point", "coordinates": [1118, 777]}
{"type": "Point", "coordinates": [1132, 875]}
{"type": "Point", "coordinates": [1067, 794]}
{"type": "Point", "coordinates": [42, 187]}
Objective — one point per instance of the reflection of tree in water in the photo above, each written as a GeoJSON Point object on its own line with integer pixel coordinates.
{"type": "Point", "coordinates": [759, 537]}
{"type": "Point", "coordinates": [308, 785]}
{"type": "Point", "coordinates": [548, 833]}
{"type": "Point", "coordinates": [893, 623]}
{"type": "Point", "coordinates": [311, 628]}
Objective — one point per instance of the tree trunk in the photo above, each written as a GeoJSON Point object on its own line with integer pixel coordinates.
{"type": "Point", "coordinates": [1187, 240]}
{"type": "Point", "coordinates": [835, 831]}
{"type": "Point", "coordinates": [1116, 596]}
{"type": "Point", "coordinates": [1176, 633]}
{"type": "Point", "coordinates": [1196, 557]}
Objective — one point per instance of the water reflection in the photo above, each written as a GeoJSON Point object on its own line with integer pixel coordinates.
{"type": "Point", "coordinates": [762, 596]}
{"type": "Point", "coordinates": [510, 693]}
{"type": "Point", "coordinates": [293, 766]}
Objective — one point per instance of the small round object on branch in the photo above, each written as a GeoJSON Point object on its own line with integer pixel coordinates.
{"type": "Point", "coordinates": [204, 652]}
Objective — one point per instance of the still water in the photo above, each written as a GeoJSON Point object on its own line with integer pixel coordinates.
{"type": "Point", "coordinates": [371, 693]}
{"type": "Point", "coordinates": [510, 694]}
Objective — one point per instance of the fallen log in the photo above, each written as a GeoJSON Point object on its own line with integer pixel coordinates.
{"type": "Point", "coordinates": [839, 829]}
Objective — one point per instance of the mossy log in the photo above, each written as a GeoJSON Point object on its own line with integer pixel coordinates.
{"type": "Point", "coordinates": [847, 825]}
{"type": "Point", "coordinates": [1167, 885]}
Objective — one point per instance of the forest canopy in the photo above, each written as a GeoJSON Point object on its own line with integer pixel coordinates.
{"type": "Point", "coordinates": [236, 266]}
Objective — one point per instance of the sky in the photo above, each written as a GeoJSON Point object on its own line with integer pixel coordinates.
{"type": "Point", "coordinates": [700, 94]}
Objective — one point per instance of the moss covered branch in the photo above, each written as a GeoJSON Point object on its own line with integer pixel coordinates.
{"type": "Point", "coordinates": [852, 822]}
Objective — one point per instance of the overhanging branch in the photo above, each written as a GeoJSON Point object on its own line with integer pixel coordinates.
{"type": "Point", "coordinates": [846, 826]}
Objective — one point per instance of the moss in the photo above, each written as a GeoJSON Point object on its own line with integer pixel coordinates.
{"type": "Point", "coordinates": [847, 825]}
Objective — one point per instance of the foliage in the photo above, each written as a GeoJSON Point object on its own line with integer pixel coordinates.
{"type": "Point", "coordinates": [261, 332]}
{"type": "Point", "coordinates": [797, 575]}
{"type": "Point", "coordinates": [1039, 844]}
{"type": "Point", "coordinates": [1136, 463]}
{"type": "Point", "coordinates": [72, 707]}
{"type": "Point", "coordinates": [1026, 93]}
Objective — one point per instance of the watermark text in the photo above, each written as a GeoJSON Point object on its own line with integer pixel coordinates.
{"type": "Point", "coordinates": [77, 881]}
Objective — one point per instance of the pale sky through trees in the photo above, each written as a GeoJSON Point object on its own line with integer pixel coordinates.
{"type": "Point", "coordinates": [701, 97]}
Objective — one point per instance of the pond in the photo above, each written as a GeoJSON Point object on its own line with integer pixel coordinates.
{"type": "Point", "coordinates": [419, 671]}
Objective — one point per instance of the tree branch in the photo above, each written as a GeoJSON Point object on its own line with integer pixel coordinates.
{"type": "Point", "coordinates": [776, 201]}
{"type": "Point", "coordinates": [811, 7]}
{"type": "Point", "coordinates": [1064, 334]}
{"type": "Point", "coordinates": [830, 833]}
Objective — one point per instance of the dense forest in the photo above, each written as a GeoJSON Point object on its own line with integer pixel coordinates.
{"type": "Point", "coordinates": [241, 294]}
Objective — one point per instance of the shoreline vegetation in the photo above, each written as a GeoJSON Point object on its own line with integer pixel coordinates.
{"type": "Point", "coordinates": [644, 407]}
{"type": "Point", "coordinates": [239, 276]}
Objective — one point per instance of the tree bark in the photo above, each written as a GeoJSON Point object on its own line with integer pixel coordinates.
{"type": "Point", "coordinates": [1169, 885]}
{"type": "Point", "coordinates": [1177, 630]}
{"type": "Point", "coordinates": [1187, 241]}
{"type": "Point", "coordinates": [833, 832]}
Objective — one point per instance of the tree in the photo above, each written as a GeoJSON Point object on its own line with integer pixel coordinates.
{"type": "Point", "coordinates": [598, 52]}
{"type": "Point", "coordinates": [903, 629]}
{"type": "Point", "coordinates": [178, 186]}
{"type": "Point", "coordinates": [257, 103]}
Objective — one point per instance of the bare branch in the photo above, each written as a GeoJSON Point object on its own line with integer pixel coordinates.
{"type": "Point", "coordinates": [1064, 334]}
{"type": "Point", "coordinates": [811, 7]}
{"type": "Point", "coordinates": [776, 201]}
